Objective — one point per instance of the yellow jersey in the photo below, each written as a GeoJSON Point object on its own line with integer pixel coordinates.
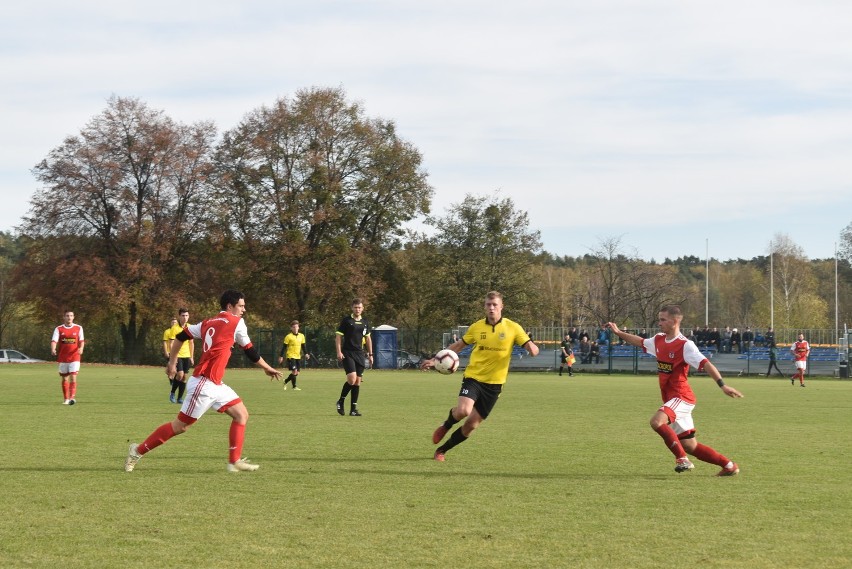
{"type": "Point", "coordinates": [492, 352]}
{"type": "Point", "coordinates": [294, 343]}
{"type": "Point", "coordinates": [171, 334]}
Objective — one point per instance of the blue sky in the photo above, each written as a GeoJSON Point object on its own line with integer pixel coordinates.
{"type": "Point", "coordinates": [663, 123]}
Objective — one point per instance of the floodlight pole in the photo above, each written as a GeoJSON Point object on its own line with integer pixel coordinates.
{"type": "Point", "coordinates": [771, 290]}
{"type": "Point", "coordinates": [707, 282]}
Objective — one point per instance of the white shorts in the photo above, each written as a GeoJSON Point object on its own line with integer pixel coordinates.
{"type": "Point", "coordinates": [682, 410]}
{"type": "Point", "coordinates": [202, 394]}
{"type": "Point", "coordinates": [803, 364]}
{"type": "Point", "coordinates": [68, 367]}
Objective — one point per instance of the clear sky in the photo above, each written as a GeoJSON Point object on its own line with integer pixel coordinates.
{"type": "Point", "coordinates": [664, 123]}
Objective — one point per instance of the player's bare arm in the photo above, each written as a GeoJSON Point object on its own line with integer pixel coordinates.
{"type": "Point", "coordinates": [714, 374]}
{"type": "Point", "coordinates": [456, 346]}
{"type": "Point", "coordinates": [532, 349]}
{"type": "Point", "coordinates": [631, 339]}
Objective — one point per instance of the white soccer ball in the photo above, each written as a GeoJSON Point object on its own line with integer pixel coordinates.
{"type": "Point", "coordinates": [446, 362]}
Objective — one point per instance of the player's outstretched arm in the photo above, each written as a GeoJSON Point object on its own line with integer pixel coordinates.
{"type": "Point", "coordinates": [269, 370]}
{"type": "Point", "coordinates": [714, 373]}
{"type": "Point", "coordinates": [631, 339]}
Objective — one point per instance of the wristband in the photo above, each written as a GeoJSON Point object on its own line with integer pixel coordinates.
{"type": "Point", "coordinates": [720, 383]}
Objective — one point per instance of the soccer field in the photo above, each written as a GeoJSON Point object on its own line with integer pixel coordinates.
{"type": "Point", "coordinates": [565, 473]}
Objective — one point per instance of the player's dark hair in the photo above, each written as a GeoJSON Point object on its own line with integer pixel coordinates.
{"type": "Point", "coordinates": [672, 310]}
{"type": "Point", "coordinates": [356, 301]}
{"type": "Point", "coordinates": [231, 297]}
{"type": "Point", "coordinates": [183, 311]}
{"type": "Point", "coordinates": [294, 323]}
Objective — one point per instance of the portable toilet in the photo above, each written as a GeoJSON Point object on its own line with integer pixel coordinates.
{"type": "Point", "coordinates": [384, 347]}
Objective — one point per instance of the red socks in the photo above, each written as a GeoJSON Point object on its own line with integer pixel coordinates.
{"type": "Point", "coordinates": [707, 454]}
{"type": "Point", "coordinates": [65, 389]}
{"type": "Point", "coordinates": [163, 433]}
{"type": "Point", "coordinates": [72, 389]}
{"type": "Point", "coordinates": [236, 436]}
{"type": "Point", "coordinates": [671, 440]}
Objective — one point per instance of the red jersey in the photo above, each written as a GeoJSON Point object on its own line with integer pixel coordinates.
{"type": "Point", "coordinates": [217, 335]}
{"type": "Point", "coordinates": [69, 340]}
{"type": "Point", "coordinates": [800, 350]}
{"type": "Point", "coordinates": [673, 360]}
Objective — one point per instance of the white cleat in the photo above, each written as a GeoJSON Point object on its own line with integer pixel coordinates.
{"type": "Point", "coordinates": [242, 465]}
{"type": "Point", "coordinates": [67, 402]}
{"type": "Point", "coordinates": [133, 457]}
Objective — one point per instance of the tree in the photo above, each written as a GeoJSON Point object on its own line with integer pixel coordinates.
{"type": "Point", "coordinates": [10, 253]}
{"type": "Point", "coordinates": [794, 286]}
{"type": "Point", "coordinates": [315, 194]}
{"type": "Point", "coordinates": [484, 244]}
{"type": "Point", "coordinates": [121, 204]}
{"type": "Point", "coordinates": [608, 296]}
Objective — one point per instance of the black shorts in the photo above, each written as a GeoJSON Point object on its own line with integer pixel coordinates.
{"type": "Point", "coordinates": [294, 364]}
{"type": "Point", "coordinates": [183, 364]}
{"type": "Point", "coordinates": [484, 395]}
{"type": "Point", "coordinates": [563, 358]}
{"type": "Point", "coordinates": [353, 362]}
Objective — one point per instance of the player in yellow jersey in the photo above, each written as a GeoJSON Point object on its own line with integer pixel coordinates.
{"type": "Point", "coordinates": [185, 355]}
{"type": "Point", "coordinates": [493, 337]}
{"type": "Point", "coordinates": [292, 347]}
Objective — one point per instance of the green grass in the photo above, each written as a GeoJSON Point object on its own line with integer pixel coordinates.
{"type": "Point", "coordinates": [565, 473]}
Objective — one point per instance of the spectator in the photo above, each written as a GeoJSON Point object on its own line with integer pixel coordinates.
{"type": "Point", "coordinates": [583, 334]}
{"type": "Point", "coordinates": [603, 337]}
{"type": "Point", "coordinates": [770, 337]}
{"type": "Point", "coordinates": [701, 337]}
{"type": "Point", "coordinates": [736, 341]}
{"type": "Point", "coordinates": [726, 340]}
{"type": "Point", "coordinates": [585, 349]}
{"type": "Point", "coordinates": [748, 339]}
{"type": "Point", "coordinates": [759, 338]}
{"type": "Point", "coordinates": [643, 333]}
{"type": "Point", "coordinates": [574, 336]}
{"type": "Point", "coordinates": [595, 353]}
{"type": "Point", "coordinates": [713, 339]}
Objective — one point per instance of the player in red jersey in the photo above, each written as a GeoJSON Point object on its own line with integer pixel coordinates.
{"type": "Point", "coordinates": [673, 421]}
{"type": "Point", "coordinates": [800, 350]}
{"type": "Point", "coordinates": [67, 344]}
{"type": "Point", "coordinates": [205, 387]}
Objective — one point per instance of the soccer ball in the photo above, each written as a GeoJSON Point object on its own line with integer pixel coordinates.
{"type": "Point", "coordinates": [446, 362]}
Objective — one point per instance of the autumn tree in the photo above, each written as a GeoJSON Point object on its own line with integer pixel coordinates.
{"type": "Point", "coordinates": [315, 194]}
{"type": "Point", "coordinates": [796, 301]}
{"type": "Point", "coordinates": [120, 206]}
{"type": "Point", "coordinates": [485, 243]}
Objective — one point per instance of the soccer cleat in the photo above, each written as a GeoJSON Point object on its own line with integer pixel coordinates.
{"type": "Point", "coordinates": [793, 380]}
{"type": "Point", "coordinates": [439, 456]}
{"type": "Point", "coordinates": [439, 434]}
{"type": "Point", "coordinates": [340, 410]}
{"type": "Point", "coordinates": [242, 465]}
{"type": "Point", "coordinates": [285, 388]}
{"type": "Point", "coordinates": [683, 464]}
{"type": "Point", "coordinates": [354, 413]}
{"type": "Point", "coordinates": [73, 401]}
{"type": "Point", "coordinates": [802, 386]}
{"type": "Point", "coordinates": [297, 389]}
{"type": "Point", "coordinates": [733, 471]}
{"type": "Point", "coordinates": [66, 402]}
{"type": "Point", "coordinates": [180, 401]}
{"type": "Point", "coordinates": [133, 457]}
{"type": "Point", "coordinates": [171, 397]}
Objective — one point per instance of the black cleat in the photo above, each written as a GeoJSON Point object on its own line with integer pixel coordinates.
{"type": "Point", "coordinates": [354, 413]}
{"type": "Point", "coordinates": [340, 407]}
